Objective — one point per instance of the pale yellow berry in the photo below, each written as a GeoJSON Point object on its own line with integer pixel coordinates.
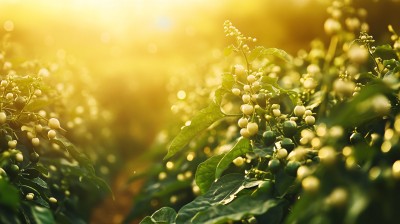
{"type": "Point", "coordinates": [310, 120]}
{"type": "Point", "coordinates": [281, 153]}
{"type": "Point", "coordinates": [12, 144]}
{"type": "Point", "coordinates": [239, 70]}
{"type": "Point", "coordinates": [19, 157]}
{"type": "Point", "coordinates": [3, 117]}
{"type": "Point", "coordinates": [310, 184]}
{"type": "Point", "coordinates": [247, 109]}
{"type": "Point", "coordinates": [245, 133]}
{"type": "Point", "coordinates": [242, 122]}
{"type": "Point", "coordinates": [276, 112]}
{"type": "Point", "coordinates": [54, 123]}
{"type": "Point", "coordinates": [252, 128]}
{"type": "Point", "coordinates": [332, 26]}
{"type": "Point", "coordinates": [338, 197]}
{"type": "Point", "coordinates": [52, 200]}
{"type": "Point", "coordinates": [29, 196]}
{"type": "Point", "coordinates": [236, 91]}
{"type": "Point", "coordinates": [51, 134]}
{"type": "Point", "coordinates": [327, 155]}
{"type": "Point", "coordinates": [239, 161]}
{"type": "Point", "coordinates": [396, 169]}
{"type": "Point", "coordinates": [251, 78]}
{"type": "Point", "coordinates": [35, 142]}
{"type": "Point", "coordinates": [246, 98]}
{"type": "Point", "coordinates": [299, 110]}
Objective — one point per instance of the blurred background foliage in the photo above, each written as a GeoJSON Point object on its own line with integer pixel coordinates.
{"type": "Point", "coordinates": [137, 54]}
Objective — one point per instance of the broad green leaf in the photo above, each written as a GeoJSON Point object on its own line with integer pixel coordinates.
{"type": "Point", "coordinates": [227, 81]}
{"type": "Point", "coordinates": [202, 120]}
{"type": "Point", "coordinates": [164, 215]}
{"type": "Point", "coordinates": [241, 147]}
{"type": "Point", "coordinates": [358, 110]}
{"type": "Point", "coordinates": [283, 182]}
{"type": "Point", "coordinates": [278, 53]}
{"type": "Point", "coordinates": [205, 172]}
{"type": "Point", "coordinates": [256, 52]}
{"type": "Point", "coordinates": [38, 104]}
{"type": "Point", "coordinates": [9, 195]}
{"type": "Point", "coordinates": [385, 52]}
{"type": "Point", "coordinates": [237, 210]}
{"type": "Point", "coordinates": [41, 215]}
{"type": "Point", "coordinates": [261, 51]}
{"type": "Point", "coordinates": [219, 191]}
{"type": "Point", "coordinates": [147, 220]}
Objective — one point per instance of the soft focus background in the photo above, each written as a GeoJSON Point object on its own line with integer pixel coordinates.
{"type": "Point", "coordinates": [132, 48]}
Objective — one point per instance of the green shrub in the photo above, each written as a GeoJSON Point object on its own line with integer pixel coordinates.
{"type": "Point", "coordinates": [312, 138]}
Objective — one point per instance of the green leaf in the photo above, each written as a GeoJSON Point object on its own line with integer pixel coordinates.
{"type": "Point", "coordinates": [385, 52]}
{"type": "Point", "coordinates": [205, 172]}
{"type": "Point", "coordinates": [9, 195]}
{"type": "Point", "coordinates": [256, 52]}
{"type": "Point", "coordinates": [359, 202]}
{"type": "Point", "coordinates": [228, 50]}
{"type": "Point", "coordinates": [278, 53]}
{"type": "Point", "coordinates": [38, 104]}
{"type": "Point", "coordinates": [147, 220]}
{"type": "Point", "coordinates": [227, 81]}
{"type": "Point", "coordinates": [261, 51]}
{"type": "Point", "coordinates": [283, 182]}
{"type": "Point", "coordinates": [358, 110]}
{"type": "Point", "coordinates": [240, 148]}
{"type": "Point", "coordinates": [41, 215]}
{"type": "Point", "coordinates": [202, 120]}
{"type": "Point", "coordinates": [164, 215]}
{"type": "Point", "coordinates": [235, 211]}
{"type": "Point", "coordinates": [219, 191]}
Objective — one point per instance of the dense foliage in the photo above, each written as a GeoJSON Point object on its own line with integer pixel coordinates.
{"type": "Point", "coordinates": [44, 177]}
{"type": "Point", "coordinates": [311, 138]}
